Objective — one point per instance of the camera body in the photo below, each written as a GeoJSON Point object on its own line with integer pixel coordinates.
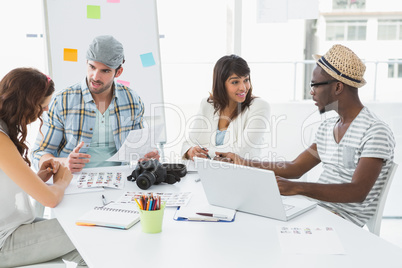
{"type": "Point", "coordinates": [148, 173]}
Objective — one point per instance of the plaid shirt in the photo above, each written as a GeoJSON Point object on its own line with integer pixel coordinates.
{"type": "Point", "coordinates": [71, 119]}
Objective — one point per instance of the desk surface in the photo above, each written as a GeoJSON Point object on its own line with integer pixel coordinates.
{"type": "Point", "coordinates": [249, 241]}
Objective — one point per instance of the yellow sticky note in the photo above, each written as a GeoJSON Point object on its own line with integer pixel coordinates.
{"type": "Point", "coordinates": [93, 12]}
{"type": "Point", "coordinates": [70, 54]}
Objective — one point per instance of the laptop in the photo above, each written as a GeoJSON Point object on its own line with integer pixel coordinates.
{"type": "Point", "coordinates": [248, 189]}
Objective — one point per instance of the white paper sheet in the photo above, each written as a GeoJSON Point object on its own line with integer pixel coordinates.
{"type": "Point", "coordinates": [309, 240]}
{"type": "Point", "coordinates": [73, 187]}
{"type": "Point", "coordinates": [138, 143]}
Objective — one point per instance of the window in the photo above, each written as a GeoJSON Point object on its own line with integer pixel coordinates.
{"type": "Point", "coordinates": [346, 30]}
{"type": "Point", "coordinates": [395, 69]}
{"type": "Point", "coordinates": [349, 4]}
{"type": "Point", "coordinates": [389, 30]}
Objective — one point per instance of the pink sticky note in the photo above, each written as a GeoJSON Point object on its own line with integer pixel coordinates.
{"type": "Point", "coordinates": [126, 83]}
{"type": "Point", "coordinates": [113, 1]}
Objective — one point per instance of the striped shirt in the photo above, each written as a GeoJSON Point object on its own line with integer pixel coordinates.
{"type": "Point", "coordinates": [71, 119]}
{"type": "Point", "coordinates": [367, 136]}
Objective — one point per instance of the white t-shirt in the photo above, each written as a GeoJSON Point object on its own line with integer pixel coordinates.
{"type": "Point", "coordinates": [15, 206]}
{"type": "Point", "coordinates": [367, 136]}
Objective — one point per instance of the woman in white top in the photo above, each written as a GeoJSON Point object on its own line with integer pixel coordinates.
{"type": "Point", "coordinates": [231, 119]}
{"type": "Point", "coordinates": [24, 94]}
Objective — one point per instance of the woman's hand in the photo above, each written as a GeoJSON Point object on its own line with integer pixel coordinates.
{"type": "Point", "coordinates": [63, 176]}
{"type": "Point", "coordinates": [197, 151]}
{"type": "Point", "coordinates": [48, 169]}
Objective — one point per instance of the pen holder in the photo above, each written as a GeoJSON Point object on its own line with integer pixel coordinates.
{"type": "Point", "coordinates": [151, 220]}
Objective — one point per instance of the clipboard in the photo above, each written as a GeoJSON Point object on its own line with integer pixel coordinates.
{"type": "Point", "coordinates": [190, 214]}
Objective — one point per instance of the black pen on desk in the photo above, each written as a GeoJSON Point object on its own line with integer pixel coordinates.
{"type": "Point", "coordinates": [202, 148]}
{"type": "Point", "coordinates": [104, 200]}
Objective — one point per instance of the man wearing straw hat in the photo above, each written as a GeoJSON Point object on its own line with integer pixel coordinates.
{"type": "Point", "coordinates": [356, 148]}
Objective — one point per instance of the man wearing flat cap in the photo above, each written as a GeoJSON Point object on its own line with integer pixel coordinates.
{"type": "Point", "coordinates": [356, 148]}
{"type": "Point", "coordinates": [89, 121]}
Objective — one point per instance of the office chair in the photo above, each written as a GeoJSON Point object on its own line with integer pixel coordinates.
{"type": "Point", "coordinates": [374, 224]}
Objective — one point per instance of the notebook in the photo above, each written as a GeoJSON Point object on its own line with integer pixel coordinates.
{"type": "Point", "coordinates": [113, 215]}
{"type": "Point", "coordinates": [248, 189]}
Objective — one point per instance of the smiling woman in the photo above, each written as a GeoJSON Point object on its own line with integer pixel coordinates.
{"type": "Point", "coordinates": [231, 118]}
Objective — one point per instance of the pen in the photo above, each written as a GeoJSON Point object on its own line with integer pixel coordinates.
{"type": "Point", "coordinates": [202, 148]}
{"type": "Point", "coordinates": [202, 219]}
{"type": "Point", "coordinates": [104, 200]}
{"type": "Point", "coordinates": [218, 216]}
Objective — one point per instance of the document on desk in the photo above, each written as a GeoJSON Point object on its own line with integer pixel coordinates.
{"type": "Point", "coordinates": [204, 213]}
{"type": "Point", "coordinates": [93, 179]}
{"type": "Point", "coordinates": [138, 143]}
{"type": "Point", "coordinates": [73, 188]}
{"type": "Point", "coordinates": [309, 240]}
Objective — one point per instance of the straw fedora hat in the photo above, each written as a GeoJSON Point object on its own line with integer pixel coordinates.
{"type": "Point", "coordinates": [344, 65]}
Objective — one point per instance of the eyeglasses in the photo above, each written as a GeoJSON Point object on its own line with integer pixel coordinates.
{"type": "Point", "coordinates": [313, 85]}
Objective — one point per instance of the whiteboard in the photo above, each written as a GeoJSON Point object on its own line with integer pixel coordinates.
{"type": "Point", "coordinates": [71, 25]}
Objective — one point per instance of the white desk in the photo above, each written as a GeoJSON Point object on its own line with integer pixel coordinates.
{"type": "Point", "coordinates": [249, 241]}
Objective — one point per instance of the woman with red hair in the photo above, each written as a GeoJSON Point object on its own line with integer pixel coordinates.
{"type": "Point", "coordinates": [25, 94]}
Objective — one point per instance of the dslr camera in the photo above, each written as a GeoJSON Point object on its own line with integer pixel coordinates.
{"type": "Point", "coordinates": [148, 173]}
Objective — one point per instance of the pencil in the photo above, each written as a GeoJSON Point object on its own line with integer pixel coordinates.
{"type": "Point", "coordinates": [139, 205]}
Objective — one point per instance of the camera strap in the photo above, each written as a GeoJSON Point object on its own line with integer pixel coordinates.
{"type": "Point", "coordinates": [174, 172]}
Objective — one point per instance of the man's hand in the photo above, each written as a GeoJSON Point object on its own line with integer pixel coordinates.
{"type": "Point", "coordinates": [230, 157]}
{"type": "Point", "coordinates": [287, 187]}
{"type": "Point", "coordinates": [154, 154]}
{"type": "Point", "coordinates": [76, 161]}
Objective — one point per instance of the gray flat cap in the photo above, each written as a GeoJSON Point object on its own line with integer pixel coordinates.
{"type": "Point", "coordinates": [107, 50]}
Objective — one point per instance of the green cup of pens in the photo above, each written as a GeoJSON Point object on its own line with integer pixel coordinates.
{"type": "Point", "coordinates": [151, 213]}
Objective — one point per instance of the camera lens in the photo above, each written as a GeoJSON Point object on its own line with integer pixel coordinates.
{"type": "Point", "coordinates": [145, 180]}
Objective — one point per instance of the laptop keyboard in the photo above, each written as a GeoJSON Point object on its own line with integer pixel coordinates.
{"type": "Point", "coordinates": [287, 207]}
